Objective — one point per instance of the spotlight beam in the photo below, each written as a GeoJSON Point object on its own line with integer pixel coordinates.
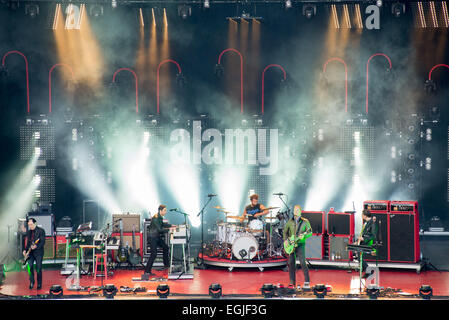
{"type": "Point", "coordinates": [49, 81]}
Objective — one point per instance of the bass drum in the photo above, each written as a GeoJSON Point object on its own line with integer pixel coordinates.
{"type": "Point", "coordinates": [245, 246]}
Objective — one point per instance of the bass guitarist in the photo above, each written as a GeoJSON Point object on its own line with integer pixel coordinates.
{"type": "Point", "coordinates": [296, 231]}
{"type": "Point", "coordinates": [34, 251]}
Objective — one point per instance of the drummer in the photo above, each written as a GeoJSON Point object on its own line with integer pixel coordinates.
{"type": "Point", "coordinates": [254, 210]}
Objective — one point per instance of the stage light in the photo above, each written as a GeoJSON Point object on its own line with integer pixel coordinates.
{"type": "Point", "coordinates": [96, 10]}
{"type": "Point", "coordinates": [268, 290]}
{"type": "Point", "coordinates": [430, 86]}
{"type": "Point", "coordinates": [206, 4]}
{"type": "Point", "coordinates": [425, 292]}
{"type": "Point", "coordinates": [3, 72]}
{"type": "Point", "coordinates": [373, 291]}
{"type": "Point", "coordinates": [56, 291]}
{"type": "Point", "coordinates": [429, 134]}
{"type": "Point", "coordinates": [109, 291]}
{"type": "Point", "coordinates": [184, 11]}
{"type": "Point", "coordinates": [309, 10]}
{"type": "Point", "coordinates": [163, 290]}
{"type": "Point", "coordinates": [114, 4]}
{"type": "Point", "coordinates": [180, 80]}
{"type": "Point", "coordinates": [428, 164]}
{"type": "Point", "coordinates": [215, 290]}
{"type": "Point", "coordinates": [320, 290]}
{"type": "Point", "coordinates": [379, 3]}
{"type": "Point", "coordinates": [218, 70]}
{"type": "Point", "coordinates": [288, 4]}
{"type": "Point", "coordinates": [32, 10]}
{"type": "Point", "coordinates": [397, 9]}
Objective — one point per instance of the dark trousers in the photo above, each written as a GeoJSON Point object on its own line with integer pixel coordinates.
{"type": "Point", "coordinates": [299, 252]}
{"type": "Point", "coordinates": [154, 243]}
{"type": "Point", "coordinates": [38, 259]}
{"type": "Point", "coordinates": [364, 264]}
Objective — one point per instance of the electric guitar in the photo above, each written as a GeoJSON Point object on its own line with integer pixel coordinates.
{"type": "Point", "coordinates": [292, 242]}
{"type": "Point", "coordinates": [122, 254]}
{"type": "Point", "coordinates": [26, 256]}
{"type": "Point", "coordinates": [134, 256]}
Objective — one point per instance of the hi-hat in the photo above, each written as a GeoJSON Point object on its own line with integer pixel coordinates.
{"type": "Point", "coordinates": [218, 207]}
{"type": "Point", "coordinates": [235, 217]}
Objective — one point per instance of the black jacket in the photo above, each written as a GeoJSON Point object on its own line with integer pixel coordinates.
{"type": "Point", "coordinates": [32, 236]}
{"type": "Point", "coordinates": [369, 233]}
{"type": "Point", "coordinates": [157, 225]}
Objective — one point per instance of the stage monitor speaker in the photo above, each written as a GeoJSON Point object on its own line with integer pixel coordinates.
{"type": "Point", "coordinates": [337, 248]}
{"type": "Point", "coordinates": [46, 222]}
{"type": "Point", "coordinates": [382, 220]}
{"type": "Point", "coordinates": [128, 221]}
{"type": "Point", "coordinates": [340, 223]}
{"type": "Point", "coordinates": [404, 238]}
{"type": "Point", "coordinates": [316, 219]}
{"type": "Point", "coordinates": [315, 247]}
{"type": "Point", "coordinates": [91, 212]}
{"type": "Point", "coordinates": [49, 248]}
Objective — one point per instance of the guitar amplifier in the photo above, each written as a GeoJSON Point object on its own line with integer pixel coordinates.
{"type": "Point", "coordinates": [128, 220]}
{"type": "Point", "coordinates": [340, 223]}
{"type": "Point", "coordinates": [404, 237]}
{"type": "Point", "coordinates": [377, 205]}
{"type": "Point", "coordinates": [316, 219]}
{"type": "Point", "coordinates": [46, 222]}
{"type": "Point", "coordinates": [315, 247]}
{"type": "Point", "coordinates": [337, 248]}
{"type": "Point", "coordinates": [49, 248]}
{"type": "Point", "coordinates": [61, 243]}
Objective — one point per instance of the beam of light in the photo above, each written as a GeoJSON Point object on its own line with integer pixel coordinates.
{"type": "Point", "coordinates": [335, 16]}
{"type": "Point", "coordinates": [142, 23]}
{"type": "Point", "coordinates": [422, 18]}
{"type": "Point", "coordinates": [141, 57]}
{"type": "Point", "coordinates": [230, 183]}
{"type": "Point", "coordinates": [153, 57]}
{"type": "Point", "coordinates": [90, 181]}
{"type": "Point", "coordinates": [255, 60]}
{"type": "Point", "coordinates": [433, 14]}
{"type": "Point", "coordinates": [445, 13]}
{"type": "Point", "coordinates": [56, 16]}
{"type": "Point", "coordinates": [358, 17]}
{"type": "Point", "coordinates": [346, 14]}
{"type": "Point", "coordinates": [182, 179]}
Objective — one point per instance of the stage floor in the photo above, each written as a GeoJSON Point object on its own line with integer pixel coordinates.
{"type": "Point", "coordinates": [239, 282]}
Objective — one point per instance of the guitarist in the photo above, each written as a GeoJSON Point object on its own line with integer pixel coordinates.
{"type": "Point", "coordinates": [368, 235]}
{"type": "Point", "coordinates": [297, 228]}
{"type": "Point", "coordinates": [35, 241]}
{"type": "Point", "coordinates": [156, 231]}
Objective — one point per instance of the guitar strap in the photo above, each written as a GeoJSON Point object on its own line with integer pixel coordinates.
{"type": "Point", "coordinates": [298, 226]}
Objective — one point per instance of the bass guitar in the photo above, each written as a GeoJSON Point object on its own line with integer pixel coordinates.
{"type": "Point", "coordinates": [26, 256]}
{"type": "Point", "coordinates": [122, 254]}
{"type": "Point", "coordinates": [134, 256]}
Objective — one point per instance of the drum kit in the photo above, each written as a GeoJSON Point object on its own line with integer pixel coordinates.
{"type": "Point", "coordinates": [243, 240]}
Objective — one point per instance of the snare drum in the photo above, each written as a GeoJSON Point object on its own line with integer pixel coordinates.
{"type": "Point", "coordinates": [256, 227]}
{"type": "Point", "coordinates": [245, 246]}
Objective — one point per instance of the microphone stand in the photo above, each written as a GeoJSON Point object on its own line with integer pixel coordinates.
{"type": "Point", "coordinates": [201, 265]}
{"type": "Point", "coordinates": [288, 209]}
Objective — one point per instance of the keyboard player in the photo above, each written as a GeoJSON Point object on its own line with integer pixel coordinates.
{"type": "Point", "coordinates": [156, 231]}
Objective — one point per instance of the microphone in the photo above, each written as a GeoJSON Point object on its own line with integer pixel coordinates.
{"type": "Point", "coordinates": [278, 194]}
{"type": "Point", "coordinates": [175, 209]}
{"type": "Point", "coordinates": [211, 195]}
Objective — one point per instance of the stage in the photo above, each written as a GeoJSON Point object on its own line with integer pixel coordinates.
{"type": "Point", "coordinates": [239, 284]}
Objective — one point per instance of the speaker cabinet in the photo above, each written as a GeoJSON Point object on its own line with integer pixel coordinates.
{"type": "Point", "coordinates": [382, 220]}
{"type": "Point", "coordinates": [315, 247]}
{"type": "Point", "coordinates": [61, 243]}
{"type": "Point", "coordinates": [316, 219]}
{"type": "Point", "coordinates": [404, 237]}
{"type": "Point", "coordinates": [337, 248]}
{"type": "Point", "coordinates": [91, 212]}
{"type": "Point", "coordinates": [340, 223]}
{"type": "Point", "coordinates": [128, 221]}
{"type": "Point", "coordinates": [46, 222]}
{"type": "Point", "coordinates": [49, 248]}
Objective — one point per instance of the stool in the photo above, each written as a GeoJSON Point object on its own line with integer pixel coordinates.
{"type": "Point", "coordinates": [98, 257]}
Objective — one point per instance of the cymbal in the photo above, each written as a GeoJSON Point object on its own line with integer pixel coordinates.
{"type": "Point", "coordinates": [218, 207]}
{"type": "Point", "coordinates": [235, 217]}
{"type": "Point", "coordinates": [223, 211]}
{"type": "Point", "coordinates": [271, 208]}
